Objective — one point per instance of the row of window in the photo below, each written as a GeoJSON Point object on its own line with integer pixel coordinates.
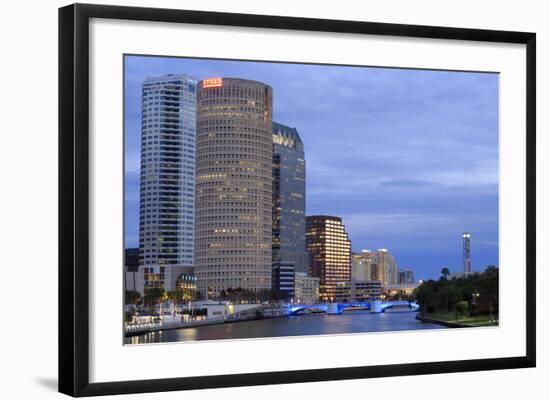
{"type": "Point", "coordinates": [216, 101]}
{"type": "Point", "coordinates": [230, 90]}
{"type": "Point", "coordinates": [226, 274]}
{"type": "Point", "coordinates": [259, 125]}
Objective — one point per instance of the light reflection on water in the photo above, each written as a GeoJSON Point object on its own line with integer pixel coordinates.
{"type": "Point", "coordinates": [356, 322]}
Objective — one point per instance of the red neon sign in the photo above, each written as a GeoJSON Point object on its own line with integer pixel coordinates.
{"type": "Point", "coordinates": [212, 83]}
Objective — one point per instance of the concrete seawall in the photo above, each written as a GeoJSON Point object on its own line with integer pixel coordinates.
{"type": "Point", "coordinates": [256, 313]}
{"type": "Point", "coordinates": [154, 327]}
{"type": "Point", "coordinates": [441, 322]}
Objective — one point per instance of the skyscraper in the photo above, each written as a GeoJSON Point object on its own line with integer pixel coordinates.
{"type": "Point", "coordinates": [466, 253]}
{"type": "Point", "coordinates": [385, 268]}
{"type": "Point", "coordinates": [387, 260]}
{"type": "Point", "coordinates": [289, 200]}
{"type": "Point", "coordinates": [362, 265]}
{"type": "Point", "coordinates": [234, 185]}
{"type": "Point", "coordinates": [329, 252]}
{"type": "Point", "coordinates": [167, 180]}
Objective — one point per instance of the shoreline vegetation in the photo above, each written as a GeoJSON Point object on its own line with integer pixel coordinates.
{"type": "Point", "coordinates": [450, 320]}
{"type": "Point", "coordinates": [468, 301]}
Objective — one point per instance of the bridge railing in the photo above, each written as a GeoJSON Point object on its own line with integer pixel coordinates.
{"type": "Point", "coordinates": [350, 305]}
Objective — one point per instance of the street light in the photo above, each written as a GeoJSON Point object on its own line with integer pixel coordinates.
{"type": "Point", "coordinates": [475, 296]}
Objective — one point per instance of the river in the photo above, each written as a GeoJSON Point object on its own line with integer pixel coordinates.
{"type": "Point", "coordinates": [352, 322]}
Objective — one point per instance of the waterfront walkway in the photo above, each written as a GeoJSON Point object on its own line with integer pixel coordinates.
{"type": "Point", "coordinates": [257, 312]}
{"type": "Point", "coordinates": [144, 328]}
{"type": "Point", "coordinates": [263, 311]}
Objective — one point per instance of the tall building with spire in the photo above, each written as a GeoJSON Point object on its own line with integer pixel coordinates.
{"type": "Point", "coordinates": [466, 258]}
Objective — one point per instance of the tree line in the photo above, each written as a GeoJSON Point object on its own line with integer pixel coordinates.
{"type": "Point", "coordinates": [476, 293]}
{"type": "Point", "coordinates": [155, 296]}
{"type": "Point", "coordinates": [242, 295]}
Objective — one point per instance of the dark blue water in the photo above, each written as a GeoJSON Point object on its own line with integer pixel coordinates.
{"type": "Point", "coordinates": [356, 322]}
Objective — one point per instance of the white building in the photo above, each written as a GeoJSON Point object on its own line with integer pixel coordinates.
{"type": "Point", "coordinates": [218, 310]}
{"type": "Point", "coordinates": [167, 181]}
{"type": "Point", "coordinates": [306, 288]}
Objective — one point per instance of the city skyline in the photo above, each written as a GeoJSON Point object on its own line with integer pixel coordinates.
{"type": "Point", "coordinates": [417, 214]}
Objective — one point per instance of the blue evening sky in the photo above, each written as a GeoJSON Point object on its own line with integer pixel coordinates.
{"type": "Point", "coordinates": [407, 158]}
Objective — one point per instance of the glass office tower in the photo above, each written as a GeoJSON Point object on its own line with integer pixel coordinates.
{"type": "Point", "coordinates": [289, 198]}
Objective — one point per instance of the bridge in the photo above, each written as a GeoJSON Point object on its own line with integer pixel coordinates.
{"type": "Point", "coordinates": [372, 306]}
{"type": "Point", "coordinates": [263, 311]}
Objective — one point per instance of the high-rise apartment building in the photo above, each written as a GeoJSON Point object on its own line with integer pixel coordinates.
{"type": "Point", "coordinates": [167, 181]}
{"type": "Point", "coordinates": [467, 260]}
{"type": "Point", "coordinates": [389, 264]}
{"type": "Point", "coordinates": [289, 198]}
{"type": "Point", "coordinates": [362, 265]}
{"type": "Point", "coordinates": [330, 253]}
{"type": "Point", "coordinates": [385, 268]}
{"type": "Point", "coordinates": [233, 230]}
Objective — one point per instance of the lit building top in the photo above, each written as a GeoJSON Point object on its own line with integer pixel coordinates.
{"type": "Point", "coordinates": [287, 137]}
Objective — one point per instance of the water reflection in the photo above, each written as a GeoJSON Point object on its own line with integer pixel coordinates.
{"type": "Point", "coordinates": [356, 322]}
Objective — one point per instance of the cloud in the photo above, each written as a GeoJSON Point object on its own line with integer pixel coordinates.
{"type": "Point", "coordinates": [409, 158]}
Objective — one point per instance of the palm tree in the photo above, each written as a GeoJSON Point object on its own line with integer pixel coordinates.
{"type": "Point", "coordinates": [445, 272]}
{"type": "Point", "coordinates": [154, 296]}
{"type": "Point", "coordinates": [131, 297]}
{"type": "Point", "coordinates": [174, 296]}
{"type": "Point", "coordinates": [425, 296]}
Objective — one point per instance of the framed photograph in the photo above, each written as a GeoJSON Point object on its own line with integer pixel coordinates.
{"type": "Point", "coordinates": [252, 199]}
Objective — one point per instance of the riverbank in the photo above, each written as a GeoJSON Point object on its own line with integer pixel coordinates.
{"type": "Point", "coordinates": [450, 320]}
{"type": "Point", "coordinates": [137, 330]}
{"type": "Point", "coordinates": [300, 325]}
{"type": "Point", "coordinates": [145, 328]}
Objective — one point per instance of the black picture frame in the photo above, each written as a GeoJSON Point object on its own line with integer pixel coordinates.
{"type": "Point", "coordinates": [74, 198]}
